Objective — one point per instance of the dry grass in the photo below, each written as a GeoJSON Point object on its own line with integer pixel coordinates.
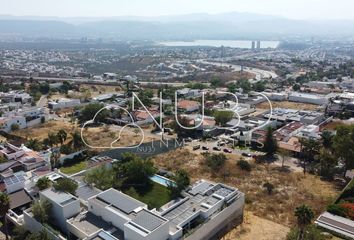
{"type": "Point", "coordinates": [291, 189]}
{"type": "Point", "coordinates": [286, 104]}
{"type": "Point", "coordinates": [254, 227]}
{"type": "Point", "coordinates": [41, 131]}
{"type": "Point", "coordinates": [104, 136]}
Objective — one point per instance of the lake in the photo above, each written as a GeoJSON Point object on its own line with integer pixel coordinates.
{"type": "Point", "coordinates": [246, 44]}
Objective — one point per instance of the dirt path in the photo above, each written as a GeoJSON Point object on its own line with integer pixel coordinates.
{"type": "Point", "coordinates": [258, 228]}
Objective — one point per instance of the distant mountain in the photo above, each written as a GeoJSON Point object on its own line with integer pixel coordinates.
{"type": "Point", "coordinates": [181, 27]}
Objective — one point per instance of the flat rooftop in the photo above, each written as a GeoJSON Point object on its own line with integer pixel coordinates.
{"type": "Point", "coordinates": [119, 201]}
{"type": "Point", "coordinates": [148, 220]}
{"type": "Point", "coordinates": [60, 198]}
{"type": "Point", "coordinates": [202, 196]}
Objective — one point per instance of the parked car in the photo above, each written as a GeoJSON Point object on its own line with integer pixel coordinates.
{"type": "Point", "coordinates": [196, 147]}
{"type": "Point", "coordinates": [214, 138]}
{"type": "Point", "coordinates": [205, 148]}
{"type": "Point", "coordinates": [189, 139]}
{"type": "Point", "coordinates": [216, 148]}
{"type": "Point", "coordinates": [246, 154]}
{"type": "Point", "coordinates": [221, 143]}
{"type": "Point", "coordinates": [227, 150]}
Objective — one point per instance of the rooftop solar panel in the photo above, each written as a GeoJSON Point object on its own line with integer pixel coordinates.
{"type": "Point", "coordinates": [148, 220]}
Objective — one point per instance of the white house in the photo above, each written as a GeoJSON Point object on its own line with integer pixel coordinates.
{"type": "Point", "coordinates": [6, 123]}
{"type": "Point", "coordinates": [63, 103]}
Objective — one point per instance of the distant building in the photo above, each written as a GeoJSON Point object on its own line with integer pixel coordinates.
{"type": "Point", "coordinates": [188, 106]}
{"type": "Point", "coordinates": [308, 98]}
{"type": "Point", "coordinates": [258, 44]}
{"type": "Point", "coordinates": [253, 45]}
{"type": "Point", "coordinates": [63, 103]}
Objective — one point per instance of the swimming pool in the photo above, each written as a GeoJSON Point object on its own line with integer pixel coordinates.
{"type": "Point", "coordinates": [162, 180]}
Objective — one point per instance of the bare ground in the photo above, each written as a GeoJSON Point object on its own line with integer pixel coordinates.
{"type": "Point", "coordinates": [286, 104]}
{"type": "Point", "coordinates": [291, 189]}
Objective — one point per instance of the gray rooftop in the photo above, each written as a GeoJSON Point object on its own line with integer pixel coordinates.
{"type": "Point", "coordinates": [120, 201]}
{"type": "Point", "coordinates": [148, 220]}
{"type": "Point", "coordinates": [60, 198]}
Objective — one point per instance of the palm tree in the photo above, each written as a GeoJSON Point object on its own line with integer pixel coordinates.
{"type": "Point", "coordinates": [327, 139]}
{"type": "Point", "coordinates": [4, 208]}
{"type": "Point", "coordinates": [76, 140]}
{"type": "Point", "coordinates": [34, 144]}
{"type": "Point", "coordinates": [62, 136]}
{"type": "Point", "coordinates": [54, 159]}
{"type": "Point", "coordinates": [304, 217]}
{"type": "Point", "coordinates": [310, 148]}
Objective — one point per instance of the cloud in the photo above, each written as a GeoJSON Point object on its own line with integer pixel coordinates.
{"type": "Point", "coordinates": [132, 124]}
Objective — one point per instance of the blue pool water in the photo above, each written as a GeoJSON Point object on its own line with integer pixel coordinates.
{"type": "Point", "coordinates": [161, 180]}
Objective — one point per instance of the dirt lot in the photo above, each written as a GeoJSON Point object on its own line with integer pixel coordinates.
{"type": "Point", "coordinates": [254, 227]}
{"type": "Point", "coordinates": [286, 104]}
{"type": "Point", "coordinates": [104, 136]}
{"type": "Point", "coordinates": [291, 189]}
{"type": "Point", "coordinates": [40, 132]}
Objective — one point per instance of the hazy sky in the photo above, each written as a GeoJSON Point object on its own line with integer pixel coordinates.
{"type": "Point", "coordinates": [298, 9]}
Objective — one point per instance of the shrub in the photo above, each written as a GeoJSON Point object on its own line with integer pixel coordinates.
{"type": "Point", "coordinates": [215, 161]}
{"type": "Point", "coordinates": [244, 165]}
{"type": "Point", "coordinates": [15, 127]}
{"type": "Point", "coordinates": [337, 210]}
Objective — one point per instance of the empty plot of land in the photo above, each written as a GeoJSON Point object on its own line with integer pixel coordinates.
{"type": "Point", "coordinates": [286, 104]}
{"type": "Point", "coordinates": [291, 189]}
{"type": "Point", "coordinates": [254, 227]}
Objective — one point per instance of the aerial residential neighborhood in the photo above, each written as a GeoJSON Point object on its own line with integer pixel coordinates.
{"type": "Point", "coordinates": [176, 120]}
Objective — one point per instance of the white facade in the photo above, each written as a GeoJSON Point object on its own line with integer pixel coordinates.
{"type": "Point", "coordinates": [63, 103]}
{"type": "Point", "coordinates": [7, 122]}
{"type": "Point", "coordinates": [307, 98]}
{"type": "Point", "coordinates": [64, 206]}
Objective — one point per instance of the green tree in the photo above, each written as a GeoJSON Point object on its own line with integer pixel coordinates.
{"type": "Point", "coordinates": [244, 165]}
{"type": "Point", "coordinates": [283, 153]}
{"type": "Point", "coordinates": [326, 139]}
{"type": "Point", "coordinates": [270, 144]}
{"type": "Point", "coordinates": [76, 141]}
{"type": "Point", "coordinates": [215, 161]}
{"type": "Point", "coordinates": [42, 235]}
{"type": "Point", "coordinates": [328, 162]}
{"type": "Point", "coordinates": [54, 159]}
{"type": "Point", "coordinates": [304, 217]}
{"type": "Point", "coordinates": [20, 233]}
{"type": "Point", "coordinates": [4, 208]}
{"type": "Point", "coordinates": [216, 82]}
{"type": "Point", "coordinates": [41, 210]}
{"type": "Point", "coordinates": [181, 182]}
{"type": "Point", "coordinates": [90, 110]}
{"type": "Point", "coordinates": [66, 185]}
{"type": "Point", "coordinates": [138, 171]}
{"type": "Point", "coordinates": [34, 144]}
{"type": "Point", "coordinates": [311, 233]}
{"type": "Point", "coordinates": [310, 148]}
{"type": "Point", "coordinates": [343, 143]}
{"type": "Point", "coordinates": [43, 183]}
{"type": "Point", "coordinates": [222, 117]}
{"type": "Point", "coordinates": [101, 177]}
{"type": "Point", "coordinates": [62, 136]}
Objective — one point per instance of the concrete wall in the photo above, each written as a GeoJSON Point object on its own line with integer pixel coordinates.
{"type": "Point", "coordinates": [220, 223]}
{"type": "Point", "coordinates": [108, 214]}
{"type": "Point", "coordinates": [34, 226]}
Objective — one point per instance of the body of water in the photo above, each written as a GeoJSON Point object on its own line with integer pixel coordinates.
{"type": "Point", "coordinates": [161, 180]}
{"type": "Point", "coordinates": [218, 43]}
